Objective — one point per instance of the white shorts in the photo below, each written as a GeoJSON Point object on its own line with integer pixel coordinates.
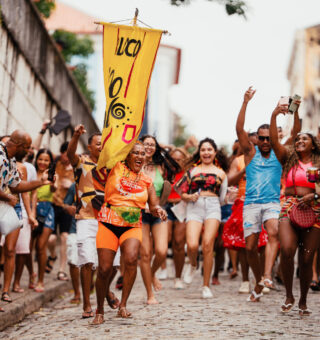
{"type": "Point", "coordinates": [23, 242]}
{"type": "Point", "coordinates": [255, 214]}
{"type": "Point", "coordinates": [72, 249]}
{"type": "Point", "coordinates": [116, 261]}
{"type": "Point", "coordinates": [86, 242]}
{"type": "Point", "coordinates": [205, 208]}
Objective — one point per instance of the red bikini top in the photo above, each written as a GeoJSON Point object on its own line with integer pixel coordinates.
{"type": "Point", "coordinates": [300, 176]}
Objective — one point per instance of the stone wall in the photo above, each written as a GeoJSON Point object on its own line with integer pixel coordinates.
{"type": "Point", "coordinates": [34, 80]}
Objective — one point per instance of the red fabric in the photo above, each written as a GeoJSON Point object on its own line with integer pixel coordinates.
{"type": "Point", "coordinates": [173, 193]}
{"type": "Point", "coordinates": [232, 235]}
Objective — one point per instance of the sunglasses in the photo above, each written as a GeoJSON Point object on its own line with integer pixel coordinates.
{"type": "Point", "coordinates": [263, 138]}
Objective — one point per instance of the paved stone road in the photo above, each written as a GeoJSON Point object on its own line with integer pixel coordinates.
{"type": "Point", "coordinates": [180, 315]}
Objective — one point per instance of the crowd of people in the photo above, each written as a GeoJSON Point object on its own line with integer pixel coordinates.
{"type": "Point", "coordinates": [260, 204]}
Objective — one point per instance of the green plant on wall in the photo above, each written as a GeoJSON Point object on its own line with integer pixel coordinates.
{"type": "Point", "coordinates": [71, 45]}
{"type": "Point", "coordinates": [45, 7]}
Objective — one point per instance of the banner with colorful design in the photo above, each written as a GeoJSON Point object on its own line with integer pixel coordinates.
{"type": "Point", "coordinates": [129, 54]}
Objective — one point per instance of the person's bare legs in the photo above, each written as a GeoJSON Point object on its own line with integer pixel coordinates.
{"type": "Point", "coordinates": [271, 247]}
{"type": "Point", "coordinates": [75, 280]}
{"type": "Point", "coordinates": [105, 267]}
{"type": "Point", "coordinates": [9, 258]}
{"type": "Point", "coordinates": [41, 248]}
{"type": "Point", "coordinates": [20, 261]}
{"type": "Point", "coordinates": [233, 257]}
{"type": "Point", "coordinates": [193, 232]}
{"type": "Point", "coordinates": [160, 238]}
{"type": "Point", "coordinates": [86, 278]}
{"type": "Point", "coordinates": [309, 244]}
{"type": "Point", "coordinates": [145, 260]}
{"type": "Point", "coordinates": [52, 242]}
{"type": "Point", "coordinates": [314, 267]}
{"type": "Point", "coordinates": [211, 227]}
{"type": "Point", "coordinates": [253, 259]}
{"type": "Point", "coordinates": [244, 264]}
{"type": "Point", "coordinates": [288, 247]}
{"type": "Point", "coordinates": [63, 252]}
{"type": "Point", "coordinates": [29, 264]}
{"type": "Point", "coordinates": [219, 256]}
{"type": "Point", "coordinates": [130, 252]}
{"type": "Point", "coordinates": [262, 258]}
{"type": "Point", "coordinates": [178, 242]}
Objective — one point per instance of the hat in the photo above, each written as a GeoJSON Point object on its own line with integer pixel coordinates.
{"type": "Point", "coordinates": [59, 122]}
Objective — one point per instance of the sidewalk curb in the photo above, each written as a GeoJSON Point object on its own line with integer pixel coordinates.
{"type": "Point", "coordinates": [31, 302]}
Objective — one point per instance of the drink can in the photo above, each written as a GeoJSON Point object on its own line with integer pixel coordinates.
{"type": "Point", "coordinates": [313, 174]}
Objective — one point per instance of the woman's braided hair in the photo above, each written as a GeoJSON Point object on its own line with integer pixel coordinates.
{"type": "Point", "coordinates": [293, 156]}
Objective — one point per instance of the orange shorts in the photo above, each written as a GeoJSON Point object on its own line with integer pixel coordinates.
{"type": "Point", "coordinates": [111, 236]}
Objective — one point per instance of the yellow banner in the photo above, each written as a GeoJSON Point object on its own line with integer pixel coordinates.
{"type": "Point", "coordinates": [129, 54]}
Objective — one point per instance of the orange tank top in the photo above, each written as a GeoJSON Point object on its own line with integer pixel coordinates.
{"type": "Point", "coordinates": [242, 182]}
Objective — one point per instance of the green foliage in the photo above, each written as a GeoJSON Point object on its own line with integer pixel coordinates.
{"type": "Point", "coordinates": [45, 7]}
{"type": "Point", "coordinates": [71, 45]}
{"type": "Point", "coordinates": [232, 6]}
{"type": "Point", "coordinates": [81, 75]}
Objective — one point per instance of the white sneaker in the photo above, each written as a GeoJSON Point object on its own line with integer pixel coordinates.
{"type": "Point", "coordinates": [178, 284]}
{"type": "Point", "coordinates": [244, 288]}
{"type": "Point", "coordinates": [189, 274]}
{"type": "Point", "coordinates": [206, 292]}
{"type": "Point", "coordinates": [162, 274]}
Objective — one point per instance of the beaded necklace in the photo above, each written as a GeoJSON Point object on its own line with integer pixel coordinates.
{"type": "Point", "coordinates": [127, 175]}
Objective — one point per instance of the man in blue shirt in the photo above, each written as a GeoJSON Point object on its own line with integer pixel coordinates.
{"type": "Point", "coordinates": [262, 201]}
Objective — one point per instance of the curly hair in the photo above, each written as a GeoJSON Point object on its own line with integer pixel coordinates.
{"type": "Point", "coordinates": [163, 158]}
{"type": "Point", "coordinates": [293, 156]}
{"type": "Point", "coordinates": [221, 159]}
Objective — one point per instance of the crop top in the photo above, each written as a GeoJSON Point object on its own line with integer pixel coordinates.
{"type": "Point", "coordinates": [190, 184]}
{"type": "Point", "coordinates": [173, 193]}
{"type": "Point", "coordinates": [300, 176]}
{"type": "Point", "coordinates": [158, 183]}
{"type": "Point", "coordinates": [44, 193]}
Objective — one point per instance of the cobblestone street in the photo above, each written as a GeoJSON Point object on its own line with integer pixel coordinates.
{"type": "Point", "coordinates": [180, 315]}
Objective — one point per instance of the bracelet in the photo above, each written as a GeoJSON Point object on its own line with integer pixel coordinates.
{"type": "Point", "coordinates": [42, 131]}
{"type": "Point", "coordinates": [316, 196]}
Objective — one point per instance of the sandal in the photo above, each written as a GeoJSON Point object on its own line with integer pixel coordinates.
{"type": "Point", "coordinates": [269, 284]}
{"type": "Point", "coordinates": [39, 289]}
{"type": "Point", "coordinates": [86, 315]}
{"type": "Point", "coordinates": [62, 276]}
{"type": "Point", "coordinates": [286, 308]}
{"type": "Point", "coordinates": [255, 295]}
{"type": "Point", "coordinates": [98, 320]}
{"type": "Point", "coordinates": [112, 300]}
{"type": "Point", "coordinates": [18, 290]}
{"type": "Point", "coordinates": [32, 279]}
{"type": "Point", "coordinates": [6, 297]}
{"type": "Point", "coordinates": [233, 275]}
{"type": "Point", "coordinates": [304, 312]}
{"type": "Point", "coordinates": [314, 285]}
{"type": "Point", "coordinates": [123, 313]}
{"type": "Point", "coordinates": [49, 266]}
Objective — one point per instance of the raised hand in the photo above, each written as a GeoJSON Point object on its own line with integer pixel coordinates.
{"type": "Point", "coordinates": [280, 108]}
{"type": "Point", "coordinates": [249, 94]}
{"type": "Point", "coordinates": [79, 130]}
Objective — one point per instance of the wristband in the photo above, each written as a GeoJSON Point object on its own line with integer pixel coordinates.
{"type": "Point", "coordinates": [42, 131]}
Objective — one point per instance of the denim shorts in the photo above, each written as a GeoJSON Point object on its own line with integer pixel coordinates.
{"type": "Point", "coordinates": [255, 214]}
{"type": "Point", "coordinates": [45, 214]}
{"type": "Point", "coordinates": [171, 216]}
{"type": "Point", "coordinates": [205, 208]}
{"type": "Point", "coordinates": [148, 218]}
